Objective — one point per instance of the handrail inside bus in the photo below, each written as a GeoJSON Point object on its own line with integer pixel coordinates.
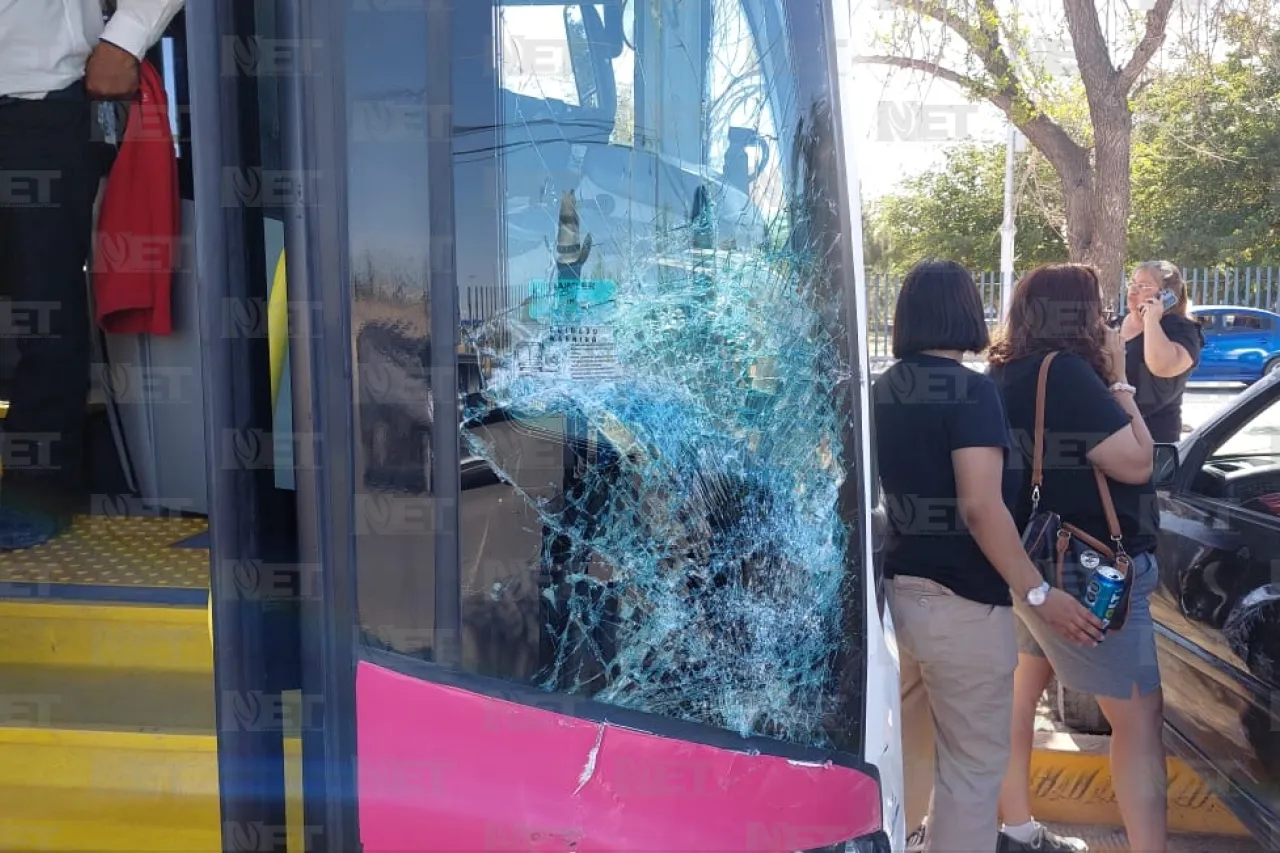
{"type": "Point", "coordinates": [278, 327]}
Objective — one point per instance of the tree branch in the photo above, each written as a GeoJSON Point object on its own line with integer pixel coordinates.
{"type": "Point", "coordinates": [983, 41]}
{"type": "Point", "coordinates": [1042, 131]}
{"type": "Point", "coordinates": [1090, 44]}
{"type": "Point", "coordinates": [934, 69]}
{"type": "Point", "coordinates": [1157, 21]}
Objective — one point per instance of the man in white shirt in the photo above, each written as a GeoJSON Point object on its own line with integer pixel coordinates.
{"type": "Point", "coordinates": [56, 58]}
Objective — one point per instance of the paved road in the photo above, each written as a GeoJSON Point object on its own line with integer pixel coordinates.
{"type": "Point", "coordinates": [1201, 402]}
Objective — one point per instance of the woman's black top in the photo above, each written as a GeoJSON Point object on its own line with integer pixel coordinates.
{"type": "Point", "coordinates": [924, 408]}
{"type": "Point", "coordinates": [1159, 398]}
{"type": "Point", "coordinates": [1079, 414]}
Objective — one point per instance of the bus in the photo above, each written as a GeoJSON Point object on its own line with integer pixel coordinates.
{"type": "Point", "coordinates": [621, 594]}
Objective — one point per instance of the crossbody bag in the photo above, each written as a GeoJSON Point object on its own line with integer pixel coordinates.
{"type": "Point", "coordinates": [1065, 555]}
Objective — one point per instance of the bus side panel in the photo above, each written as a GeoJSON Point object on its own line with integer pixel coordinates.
{"type": "Point", "coordinates": [440, 768]}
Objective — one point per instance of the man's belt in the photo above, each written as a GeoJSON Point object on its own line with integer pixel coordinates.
{"type": "Point", "coordinates": [74, 92]}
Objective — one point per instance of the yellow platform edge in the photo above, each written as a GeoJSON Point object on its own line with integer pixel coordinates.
{"type": "Point", "coordinates": [116, 636]}
{"type": "Point", "coordinates": [1071, 783]}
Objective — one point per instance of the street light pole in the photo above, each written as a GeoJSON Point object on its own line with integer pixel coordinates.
{"type": "Point", "coordinates": [1008, 229]}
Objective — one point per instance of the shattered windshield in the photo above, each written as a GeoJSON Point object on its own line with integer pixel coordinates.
{"type": "Point", "coordinates": [659, 506]}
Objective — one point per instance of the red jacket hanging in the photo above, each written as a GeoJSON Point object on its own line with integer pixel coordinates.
{"type": "Point", "coordinates": [136, 250]}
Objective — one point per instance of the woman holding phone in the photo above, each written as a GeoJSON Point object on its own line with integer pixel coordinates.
{"type": "Point", "coordinates": [1162, 346]}
{"type": "Point", "coordinates": [1091, 420]}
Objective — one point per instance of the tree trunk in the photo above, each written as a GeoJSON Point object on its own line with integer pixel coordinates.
{"type": "Point", "coordinates": [1097, 199]}
{"type": "Point", "coordinates": [1096, 194]}
{"type": "Point", "coordinates": [1112, 130]}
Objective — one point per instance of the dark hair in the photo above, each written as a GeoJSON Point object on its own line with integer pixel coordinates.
{"type": "Point", "coordinates": [1054, 307]}
{"type": "Point", "coordinates": [938, 308]}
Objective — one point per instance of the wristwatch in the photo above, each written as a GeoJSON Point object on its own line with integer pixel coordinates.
{"type": "Point", "coordinates": [1036, 596]}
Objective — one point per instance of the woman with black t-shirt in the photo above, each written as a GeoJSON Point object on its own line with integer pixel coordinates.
{"type": "Point", "coordinates": [1091, 419]}
{"type": "Point", "coordinates": [1162, 348]}
{"type": "Point", "coordinates": [953, 556]}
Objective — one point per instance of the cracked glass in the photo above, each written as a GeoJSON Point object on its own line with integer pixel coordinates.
{"type": "Point", "coordinates": [658, 494]}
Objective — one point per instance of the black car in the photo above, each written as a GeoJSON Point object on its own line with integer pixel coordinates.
{"type": "Point", "coordinates": [1217, 609]}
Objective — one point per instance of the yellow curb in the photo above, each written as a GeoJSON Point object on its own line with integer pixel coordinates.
{"type": "Point", "coordinates": [1071, 783]}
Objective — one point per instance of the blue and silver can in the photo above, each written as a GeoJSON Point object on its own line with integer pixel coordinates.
{"type": "Point", "coordinates": [1103, 594]}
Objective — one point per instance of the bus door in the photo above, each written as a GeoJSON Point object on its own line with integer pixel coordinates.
{"type": "Point", "coordinates": [584, 492]}
{"type": "Point", "coordinates": [236, 68]}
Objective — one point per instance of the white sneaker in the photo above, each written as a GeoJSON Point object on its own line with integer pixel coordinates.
{"type": "Point", "coordinates": [1043, 841]}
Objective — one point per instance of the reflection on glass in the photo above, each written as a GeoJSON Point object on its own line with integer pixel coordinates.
{"type": "Point", "coordinates": [653, 370]}
{"type": "Point", "coordinates": [655, 447]}
{"type": "Point", "coordinates": [389, 225]}
{"type": "Point", "coordinates": [1260, 436]}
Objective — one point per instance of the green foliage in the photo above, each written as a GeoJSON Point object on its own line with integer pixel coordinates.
{"type": "Point", "coordinates": [1206, 159]}
{"type": "Point", "coordinates": [955, 212]}
{"type": "Point", "coordinates": [1205, 175]}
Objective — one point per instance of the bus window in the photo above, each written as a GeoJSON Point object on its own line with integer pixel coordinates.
{"type": "Point", "coordinates": [741, 132]}
{"type": "Point", "coordinates": [656, 425]}
{"type": "Point", "coordinates": [536, 56]}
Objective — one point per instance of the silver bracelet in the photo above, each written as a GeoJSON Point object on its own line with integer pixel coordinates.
{"type": "Point", "coordinates": [1123, 388]}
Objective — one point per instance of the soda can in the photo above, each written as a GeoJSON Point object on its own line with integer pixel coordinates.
{"type": "Point", "coordinates": [1102, 596]}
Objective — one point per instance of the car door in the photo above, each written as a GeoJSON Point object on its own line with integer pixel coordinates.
{"type": "Point", "coordinates": [1244, 344]}
{"type": "Point", "coordinates": [1211, 356]}
{"type": "Point", "coordinates": [1218, 606]}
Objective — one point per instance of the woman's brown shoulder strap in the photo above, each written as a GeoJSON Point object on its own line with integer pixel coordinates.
{"type": "Point", "coordinates": [1042, 389]}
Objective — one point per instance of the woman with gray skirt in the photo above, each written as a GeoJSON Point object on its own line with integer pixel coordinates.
{"type": "Point", "coordinates": [1090, 420]}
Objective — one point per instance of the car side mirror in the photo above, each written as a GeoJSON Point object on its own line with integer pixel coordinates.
{"type": "Point", "coordinates": [1165, 467]}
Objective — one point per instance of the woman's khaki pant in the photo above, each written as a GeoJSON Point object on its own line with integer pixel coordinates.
{"type": "Point", "coordinates": [957, 659]}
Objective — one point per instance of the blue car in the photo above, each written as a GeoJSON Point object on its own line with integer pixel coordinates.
{"type": "Point", "coordinates": [1240, 344]}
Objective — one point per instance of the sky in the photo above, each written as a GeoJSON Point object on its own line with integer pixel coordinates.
{"type": "Point", "coordinates": [895, 138]}
{"type": "Point", "coordinates": [902, 123]}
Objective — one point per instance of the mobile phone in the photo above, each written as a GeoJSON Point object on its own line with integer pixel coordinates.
{"type": "Point", "coordinates": [1168, 299]}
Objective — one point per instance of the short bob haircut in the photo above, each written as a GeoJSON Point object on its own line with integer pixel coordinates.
{"type": "Point", "coordinates": [939, 308]}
